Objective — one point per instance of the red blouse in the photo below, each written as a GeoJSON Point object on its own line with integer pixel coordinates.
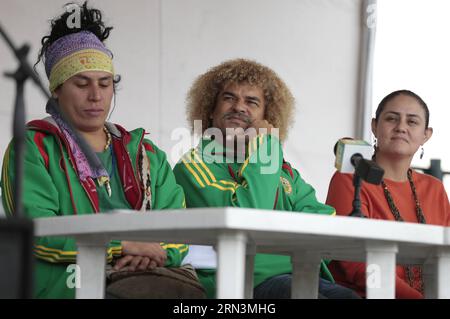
{"type": "Point", "coordinates": [433, 201]}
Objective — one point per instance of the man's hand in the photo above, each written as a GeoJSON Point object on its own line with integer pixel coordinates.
{"type": "Point", "coordinates": [241, 138]}
{"type": "Point", "coordinates": [134, 263]}
{"type": "Point", "coordinates": [141, 256]}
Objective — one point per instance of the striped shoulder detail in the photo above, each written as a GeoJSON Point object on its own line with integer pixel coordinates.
{"type": "Point", "coordinates": [113, 252]}
{"type": "Point", "coordinates": [287, 167]}
{"type": "Point", "coordinates": [203, 175]}
{"type": "Point", "coordinates": [253, 146]}
{"type": "Point", "coordinates": [60, 256]}
{"type": "Point", "coordinates": [54, 255]}
{"type": "Point", "coordinates": [39, 141]}
{"type": "Point", "coordinates": [187, 162]}
{"type": "Point", "coordinates": [180, 247]}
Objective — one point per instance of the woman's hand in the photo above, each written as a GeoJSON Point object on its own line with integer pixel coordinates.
{"type": "Point", "coordinates": [134, 263]}
{"type": "Point", "coordinates": [141, 256]}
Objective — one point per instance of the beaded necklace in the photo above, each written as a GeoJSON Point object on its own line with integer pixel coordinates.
{"type": "Point", "coordinates": [108, 145]}
{"type": "Point", "coordinates": [420, 217]}
{"type": "Point", "coordinates": [108, 138]}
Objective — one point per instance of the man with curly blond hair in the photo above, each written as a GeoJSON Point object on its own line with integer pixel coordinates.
{"type": "Point", "coordinates": [245, 111]}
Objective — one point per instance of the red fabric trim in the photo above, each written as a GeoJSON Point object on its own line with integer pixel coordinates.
{"type": "Point", "coordinates": [276, 200]}
{"type": "Point", "coordinates": [47, 127]}
{"type": "Point", "coordinates": [62, 165]}
{"type": "Point", "coordinates": [39, 141]}
{"type": "Point", "coordinates": [230, 170]}
{"type": "Point", "coordinates": [126, 136]}
{"type": "Point", "coordinates": [131, 187]}
{"type": "Point", "coordinates": [288, 168]}
{"type": "Point", "coordinates": [149, 148]}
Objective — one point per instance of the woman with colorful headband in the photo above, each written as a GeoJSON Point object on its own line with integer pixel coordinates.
{"type": "Point", "coordinates": [59, 179]}
{"type": "Point", "coordinates": [401, 127]}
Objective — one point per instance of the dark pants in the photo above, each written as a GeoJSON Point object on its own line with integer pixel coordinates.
{"type": "Point", "coordinates": [279, 287]}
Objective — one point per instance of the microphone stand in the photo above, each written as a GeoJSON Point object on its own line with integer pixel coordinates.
{"type": "Point", "coordinates": [20, 76]}
{"type": "Point", "coordinates": [357, 181]}
{"type": "Point", "coordinates": [364, 170]}
{"type": "Point", "coordinates": [23, 225]}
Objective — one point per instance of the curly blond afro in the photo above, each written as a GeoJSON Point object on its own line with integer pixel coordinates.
{"type": "Point", "coordinates": [279, 102]}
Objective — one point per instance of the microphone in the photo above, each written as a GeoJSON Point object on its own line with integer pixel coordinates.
{"type": "Point", "coordinates": [352, 156]}
{"type": "Point", "coordinates": [347, 147]}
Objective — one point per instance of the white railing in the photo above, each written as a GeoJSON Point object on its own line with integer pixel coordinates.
{"type": "Point", "coordinates": [238, 234]}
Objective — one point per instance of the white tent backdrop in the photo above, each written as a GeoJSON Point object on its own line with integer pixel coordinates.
{"type": "Point", "coordinates": [160, 46]}
{"type": "Point", "coordinates": [412, 51]}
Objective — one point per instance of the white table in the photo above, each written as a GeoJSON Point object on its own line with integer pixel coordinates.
{"type": "Point", "coordinates": [238, 233]}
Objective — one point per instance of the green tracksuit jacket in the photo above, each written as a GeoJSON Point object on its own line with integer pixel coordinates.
{"type": "Point", "coordinates": [51, 187]}
{"type": "Point", "coordinates": [262, 179]}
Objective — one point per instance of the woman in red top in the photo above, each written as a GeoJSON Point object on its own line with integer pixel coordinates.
{"type": "Point", "coordinates": [400, 127]}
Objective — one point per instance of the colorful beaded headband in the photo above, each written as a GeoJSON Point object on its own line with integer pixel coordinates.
{"type": "Point", "coordinates": [75, 53]}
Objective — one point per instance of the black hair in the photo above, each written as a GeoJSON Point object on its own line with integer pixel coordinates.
{"type": "Point", "coordinates": [394, 94]}
{"type": "Point", "coordinates": [90, 20]}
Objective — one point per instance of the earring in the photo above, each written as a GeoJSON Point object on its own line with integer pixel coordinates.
{"type": "Point", "coordinates": [421, 153]}
{"type": "Point", "coordinates": [374, 155]}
